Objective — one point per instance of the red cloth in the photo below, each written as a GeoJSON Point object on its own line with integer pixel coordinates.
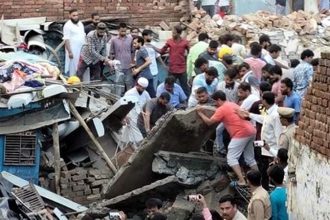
{"type": "Point", "coordinates": [177, 59]}
{"type": "Point", "coordinates": [236, 127]}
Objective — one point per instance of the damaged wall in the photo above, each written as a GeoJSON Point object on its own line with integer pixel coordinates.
{"type": "Point", "coordinates": [312, 151]}
{"type": "Point", "coordinates": [138, 12]}
{"type": "Point", "coordinates": [313, 177]}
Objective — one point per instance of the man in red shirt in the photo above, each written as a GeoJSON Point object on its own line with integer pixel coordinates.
{"type": "Point", "coordinates": [241, 131]}
{"type": "Point", "coordinates": [177, 48]}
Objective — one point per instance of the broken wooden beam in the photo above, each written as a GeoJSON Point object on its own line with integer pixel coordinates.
{"type": "Point", "coordinates": [92, 137]}
{"type": "Point", "coordinates": [57, 157]}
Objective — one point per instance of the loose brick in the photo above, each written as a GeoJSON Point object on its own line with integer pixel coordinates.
{"type": "Point", "coordinates": [76, 188]}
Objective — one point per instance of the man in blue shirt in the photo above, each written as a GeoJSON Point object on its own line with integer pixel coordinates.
{"type": "Point", "coordinates": [303, 73]}
{"type": "Point", "coordinates": [178, 97]}
{"type": "Point", "coordinates": [291, 98]}
{"type": "Point", "coordinates": [143, 61]}
{"type": "Point", "coordinates": [278, 196]}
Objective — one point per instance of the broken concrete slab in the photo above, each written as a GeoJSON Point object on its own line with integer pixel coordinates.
{"type": "Point", "coordinates": [164, 188]}
{"type": "Point", "coordinates": [191, 169]}
{"type": "Point", "coordinates": [181, 209]}
{"type": "Point", "coordinates": [182, 131]}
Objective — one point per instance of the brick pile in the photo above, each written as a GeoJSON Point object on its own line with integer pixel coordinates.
{"type": "Point", "coordinates": [82, 185]}
{"type": "Point", "coordinates": [314, 124]}
{"type": "Point", "coordinates": [138, 12]}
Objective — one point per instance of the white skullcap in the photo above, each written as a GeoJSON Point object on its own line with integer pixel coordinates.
{"type": "Point", "coordinates": [143, 82]}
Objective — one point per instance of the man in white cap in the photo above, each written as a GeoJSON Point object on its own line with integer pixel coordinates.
{"type": "Point", "coordinates": [142, 96]}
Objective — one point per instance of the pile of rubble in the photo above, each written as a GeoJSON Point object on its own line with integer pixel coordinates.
{"type": "Point", "coordinates": [172, 168]}
{"type": "Point", "coordinates": [297, 30]}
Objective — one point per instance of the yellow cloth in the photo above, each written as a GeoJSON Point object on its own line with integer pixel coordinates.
{"type": "Point", "coordinates": [225, 51]}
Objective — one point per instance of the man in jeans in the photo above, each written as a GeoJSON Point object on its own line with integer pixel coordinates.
{"type": "Point", "coordinates": [209, 6]}
{"type": "Point", "coordinates": [121, 48]}
{"type": "Point", "coordinates": [143, 61]}
{"type": "Point", "coordinates": [93, 53]}
{"type": "Point", "coordinates": [280, 7]}
{"type": "Point", "coordinates": [177, 47]}
{"type": "Point", "coordinates": [241, 131]}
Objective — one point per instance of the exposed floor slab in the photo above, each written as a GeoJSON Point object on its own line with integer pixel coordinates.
{"type": "Point", "coordinates": [182, 131]}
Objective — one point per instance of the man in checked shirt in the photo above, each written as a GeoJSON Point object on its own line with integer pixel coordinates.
{"type": "Point", "coordinates": [93, 53]}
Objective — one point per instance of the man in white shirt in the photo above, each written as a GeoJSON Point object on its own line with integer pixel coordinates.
{"type": "Point", "coordinates": [153, 55]}
{"type": "Point", "coordinates": [246, 97]}
{"type": "Point", "coordinates": [271, 124]}
{"type": "Point", "coordinates": [274, 52]}
{"type": "Point", "coordinates": [74, 38]}
{"type": "Point", "coordinates": [142, 96]}
{"type": "Point", "coordinates": [229, 86]}
{"type": "Point", "coordinates": [238, 48]}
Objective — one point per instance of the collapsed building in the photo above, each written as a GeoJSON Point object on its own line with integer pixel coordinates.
{"type": "Point", "coordinates": [91, 165]}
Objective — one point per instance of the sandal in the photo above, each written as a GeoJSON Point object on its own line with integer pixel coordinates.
{"type": "Point", "coordinates": [235, 184]}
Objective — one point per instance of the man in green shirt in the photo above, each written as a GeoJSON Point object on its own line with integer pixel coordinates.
{"type": "Point", "coordinates": [195, 51]}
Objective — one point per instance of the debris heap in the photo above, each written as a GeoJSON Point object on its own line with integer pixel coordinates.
{"type": "Point", "coordinates": [297, 30]}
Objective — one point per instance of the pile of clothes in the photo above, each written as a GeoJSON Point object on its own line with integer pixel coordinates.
{"type": "Point", "coordinates": [15, 74]}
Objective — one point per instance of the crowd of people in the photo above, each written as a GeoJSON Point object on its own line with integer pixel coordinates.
{"type": "Point", "coordinates": [257, 97]}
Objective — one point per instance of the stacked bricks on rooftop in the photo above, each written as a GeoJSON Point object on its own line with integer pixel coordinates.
{"type": "Point", "coordinates": [314, 124]}
{"type": "Point", "coordinates": [83, 186]}
{"type": "Point", "coordinates": [138, 12]}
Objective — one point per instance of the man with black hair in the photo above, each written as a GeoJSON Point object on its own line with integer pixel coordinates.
{"type": "Point", "coordinates": [195, 52]}
{"type": "Point", "coordinates": [275, 78]}
{"type": "Point", "coordinates": [92, 26]}
{"type": "Point", "coordinates": [291, 98]}
{"type": "Point", "coordinates": [264, 41]}
{"type": "Point", "coordinates": [271, 124]}
{"type": "Point", "coordinates": [203, 97]}
{"type": "Point", "coordinates": [278, 197]}
{"type": "Point", "coordinates": [226, 41]}
{"type": "Point", "coordinates": [229, 86]}
{"type": "Point", "coordinates": [121, 48]}
{"type": "Point", "coordinates": [293, 64]}
{"type": "Point", "coordinates": [143, 62]}
{"type": "Point", "coordinates": [274, 53]}
{"type": "Point", "coordinates": [228, 208]}
{"type": "Point", "coordinates": [259, 207]}
{"type": "Point", "coordinates": [153, 55]}
{"type": "Point", "coordinates": [245, 74]}
{"type": "Point", "coordinates": [153, 205]}
{"type": "Point", "coordinates": [262, 161]}
{"type": "Point", "coordinates": [178, 97]}
{"type": "Point", "coordinates": [208, 79]}
{"type": "Point", "coordinates": [93, 53]}
{"type": "Point", "coordinates": [282, 161]}
{"type": "Point", "coordinates": [210, 53]}
{"type": "Point", "coordinates": [74, 38]}
{"type": "Point", "coordinates": [303, 73]}
{"type": "Point", "coordinates": [254, 61]}
{"type": "Point", "coordinates": [177, 48]}
{"type": "Point", "coordinates": [246, 98]}
{"type": "Point", "coordinates": [152, 111]}
{"type": "Point", "coordinates": [241, 131]}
